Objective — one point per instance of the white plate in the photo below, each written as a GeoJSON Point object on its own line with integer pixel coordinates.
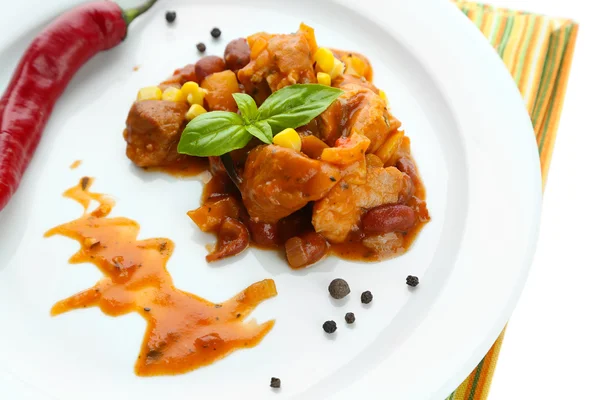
{"type": "Point", "coordinates": [473, 142]}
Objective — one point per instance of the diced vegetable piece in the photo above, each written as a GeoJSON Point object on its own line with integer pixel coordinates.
{"type": "Point", "coordinates": [338, 69]}
{"type": "Point", "coordinates": [324, 59]}
{"type": "Point", "coordinates": [288, 138]}
{"type": "Point", "coordinates": [220, 87]}
{"type": "Point", "coordinates": [312, 146]}
{"type": "Point", "coordinates": [173, 94]}
{"type": "Point", "coordinates": [309, 32]}
{"type": "Point", "coordinates": [383, 95]}
{"type": "Point", "coordinates": [210, 216]}
{"type": "Point", "coordinates": [324, 78]}
{"type": "Point", "coordinates": [149, 93]}
{"type": "Point", "coordinates": [389, 148]}
{"type": "Point", "coordinates": [347, 150]}
{"type": "Point", "coordinates": [304, 250]}
{"type": "Point", "coordinates": [194, 111]}
{"type": "Point", "coordinates": [355, 65]}
{"type": "Point", "coordinates": [232, 239]}
{"type": "Point", "coordinates": [257, 46]}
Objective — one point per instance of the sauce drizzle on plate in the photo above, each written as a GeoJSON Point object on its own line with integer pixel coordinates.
{"type": "Point", "coordinates": [184, 331]}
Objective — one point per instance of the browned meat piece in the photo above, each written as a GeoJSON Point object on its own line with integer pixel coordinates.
{"type": "Point", "coordinates": [358, 110]}
{"type": "Point", "coordinates": [336, 214]}
{"type": "Point", "coordinates": [153, 131]}
{"type": "Point", "coordinates": [179, 77]}
{"type": "Point", "coordinates": [339, 212]}
{"type": "Point", "coordinates": [383, 186]}
{"type": "Point", "coordinates": [348, 80]}
{"type": "Point", "coordinates": [278, 181]}
{"type": "Point", "coordinates": [279, 60]}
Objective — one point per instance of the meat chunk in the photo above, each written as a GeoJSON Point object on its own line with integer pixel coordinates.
{"type": "Point", "coordinates": [153, 131]}
{"type": "Point", "coordinates": [179, 77]}
{"type": "Point", "coordinates": [359, 110]}
{"type": "Point", "coordinates": [278, 60]}
{"type": "Point", "coordinates": [278, 181]}
{"type": "Point", "coordinates": [383, 186]}
{"type": "Point", "coordinates": [339, 212]}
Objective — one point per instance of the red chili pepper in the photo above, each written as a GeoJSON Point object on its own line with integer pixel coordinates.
{"type": "Point", "coordinates": [43, 74]}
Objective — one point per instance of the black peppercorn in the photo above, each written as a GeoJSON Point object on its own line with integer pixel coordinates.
{"type": "Point", "coordinates": [329, 326]}
{"type": "Point", "coordinates": [339, 288]}
{"type": "Point", "coordinates": [170, 16]}
{"type": "Point", "coordinates": [201, 47]}
{"type": "Point", "coordinates": [350, 318]}
{"type": "Point", "coordinates": [275, 383]}
{"type": "Point", "coordinates": [366, 297]}
{"type": "Point", "coordinates": [412, 280]}
{"type": "Point", "coordinates": [216, 32]}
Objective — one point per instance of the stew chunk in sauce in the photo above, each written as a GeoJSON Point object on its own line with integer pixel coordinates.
{"type": "Point", "coordinates": [353, 189]}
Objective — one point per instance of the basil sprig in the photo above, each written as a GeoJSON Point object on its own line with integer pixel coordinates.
{"type": "Point", "coordinates": [218, 132]}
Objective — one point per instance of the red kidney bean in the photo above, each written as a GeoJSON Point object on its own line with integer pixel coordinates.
{"type": "Point", "coordinates": [306, 249]}
{"type": "Point", "coordinates": [232, 239]}
{"type": "Point", "coordinates": [406, 165]}
{"type": "Point", "coordinates": [207, 66]}
{"type": "Point", "coordinates": [237, 54]}
{"type": "Point", "coordinates": [263, 234]}
{"type": "Point", "coordinates": [388, 218]}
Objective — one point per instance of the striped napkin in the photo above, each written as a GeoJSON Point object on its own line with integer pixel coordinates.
{"type": "Point", "coordinates": [538, 51]}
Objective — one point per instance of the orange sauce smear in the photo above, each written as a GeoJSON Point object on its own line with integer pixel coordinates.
{"type": "Point", "coordinates": [183, 331]}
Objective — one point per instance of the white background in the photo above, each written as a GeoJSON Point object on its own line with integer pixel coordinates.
{"type": "Point", "coordinates": [552, 344]}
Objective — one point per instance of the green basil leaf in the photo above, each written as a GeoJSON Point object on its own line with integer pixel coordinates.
{"type": "Point", "coordinates": [247, 107]}
{"type": "Point", "coordinates": [261, 130]}
{"type": "Point", "coordinates": [213, 134]}
{"type": "Point", "coordinates": [296, 105]}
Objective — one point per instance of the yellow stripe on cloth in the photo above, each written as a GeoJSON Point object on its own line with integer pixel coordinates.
{"type": "Point", "coordinates": [538, 52]}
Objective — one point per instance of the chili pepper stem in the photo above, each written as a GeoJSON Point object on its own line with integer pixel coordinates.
{"type": "Point", "coordinates": [132, 13]}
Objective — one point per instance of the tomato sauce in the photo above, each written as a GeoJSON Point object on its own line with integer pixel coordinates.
{"type": "Point", "coordinates": [186, 167]}
{"type": "Point", "coordinates": [221, 199]}
{"type": "Point", "coordinates": [183, 331]}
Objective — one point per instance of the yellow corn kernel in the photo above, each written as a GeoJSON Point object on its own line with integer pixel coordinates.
{"type": "Point", "coordinates": [149, 93]}
{"type": "Point", "coordinates": [338, 69]}
{"type": "Point", "coordinates": [355, 66]}
{"type": "Point", "coordinates": [325, 59]}
{"type": "Point", "coordinates": [194, 111]}
{"type": "Point", "coordinates": [173, 94]}
{"type": "Point", "coordinates": [324, 78]}
{"type": "Point", "coordinates": [384, 97]}
{"type": "Point", "coordinates": [288, 138]}
{"type": "Point", "coordinates": [189, 87]}
{"type": "Point", "coordinates": [197, 96]}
